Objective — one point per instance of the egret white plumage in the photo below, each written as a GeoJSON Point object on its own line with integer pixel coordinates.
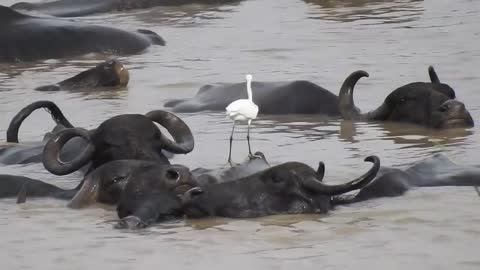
{"type": "Point", "coordinates": [242, 110]}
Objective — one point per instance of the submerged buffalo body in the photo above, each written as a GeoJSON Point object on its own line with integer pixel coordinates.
{"type": "Point", "coordinates": [143, 191]}
{"type": "Point", "coordinates": [284, 189]}
{"type": "Point", "coordinates": [76, 8]}
{"type": "Point", "coordinates": [28, 38]}
{"type": "Point", "coordinates": [288, 188]}
{"type": "Point", "coordinates": [297, 97]}
{"type": "Point", "coordinates": [107, 74]}
{"type": "Point", "coordinates": [431, 105]}
{"type": "Point", "coordinates": [146, 192]}
{"type": "Point", "coordinates": [435, 171]}
{"type": "Point", "coordinates": [19, 186]}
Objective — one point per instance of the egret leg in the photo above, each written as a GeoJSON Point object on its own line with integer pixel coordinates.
{"type": "Point", "coordinates": [248, 139]}
{"type": "Point", "coordinates": [230, 151]}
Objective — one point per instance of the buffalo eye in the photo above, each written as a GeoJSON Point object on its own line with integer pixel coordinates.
{"type": "Point", "coordinates": [117, 179]}
{"type": "Point", "coordinates": [443, 108]}
{"type": "Point", "coordinates": [402, 100]}
{"type": "Point", "coordinates": [172, 175]}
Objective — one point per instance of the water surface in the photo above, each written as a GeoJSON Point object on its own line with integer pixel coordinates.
{"type": "Point", "coordinates": [276, 40]}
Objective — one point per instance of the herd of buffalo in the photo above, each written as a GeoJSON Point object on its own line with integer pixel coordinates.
{"type": "Point", "coordinates": [125, 160]}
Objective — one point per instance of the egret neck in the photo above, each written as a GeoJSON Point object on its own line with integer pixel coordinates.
{"type": "Point", "coordinates": [249, 87]}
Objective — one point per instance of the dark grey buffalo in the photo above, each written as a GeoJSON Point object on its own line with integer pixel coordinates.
{"type": "Point", "coordinates": [126, 183]}
{"type": "Point", "coordinates": [75, 8]}
{"type": "Point", "coordinates": [295, 97]}
{"type": "Point", "coordinates": [110, 73]}
{"type": "Point", "coordinates": [126, 136]}
{"type": "Point", "coordinates": [435, 171]}
{"type": "Point", "coordinates": [21, 187]}
{"type": "Point", "coordinates": [280, 189]}
{"type": "Point", "coordinates": [147, 192]}
{"type": "Point", "coordinates": [29, 38]}
{"type": "Point", "coordinates": [141, 190]}
{"type": "Point", "coordinates": [288, 188]}
{"type": "Point", "coordinates": [432, 105]}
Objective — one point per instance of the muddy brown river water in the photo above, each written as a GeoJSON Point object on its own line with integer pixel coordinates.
{"type": "Point", "coordinates": [276, 40]}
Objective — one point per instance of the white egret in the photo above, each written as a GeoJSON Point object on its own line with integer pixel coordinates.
{"type": "Point", "coordinates": [242, 110]}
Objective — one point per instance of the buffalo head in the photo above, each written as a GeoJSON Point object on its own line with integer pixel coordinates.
{"type": "Point", "coordinates": [137, 187]}
{"type": "Point", "coordinates": [153, 194]}
{"type": "Point", "coordinates": [432, 105]}
{"type": "Point", "coordinates": [106, 74]}
{"type": "Point", "coordinates": [128, 136]}
{"type": "Point", "coordinates": [109, 73]}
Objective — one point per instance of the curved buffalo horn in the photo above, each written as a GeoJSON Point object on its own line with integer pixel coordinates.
{"type": "Point", "coordinates": [347, 107]}
{"type": "Point", "coordinates": [346, 103]}
{"type": "Point", "coordinates": [331, 190]}
{"type": "Point", "coordinates": [320, 171]}
{"type": "Point", "coordinates": [51, 152]}
{"type": "Point", "coordinates": [179, 130]}
{"type": "Point", "coordinates": [88, 193]}
{"type": "Point", "coordinates": [433, 75]}
{"type": "Point", "coordinates": [17, 120]}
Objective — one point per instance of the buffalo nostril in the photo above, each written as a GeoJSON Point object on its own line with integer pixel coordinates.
{"type": "Point", "coordinates": [172, 175]}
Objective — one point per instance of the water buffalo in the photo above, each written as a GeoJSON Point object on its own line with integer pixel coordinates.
{"type": "Point", "coordinates": [297, 97]}
{"type": "Point", "coordinates": [435, 171]}
{"type": "Point", "coordinates": [146, 191]}
{"type": "Point", "coordinates": [106, 74]}
{"type": "Point", "coordinates": [142, 190]}
{"type": "Point", "coordinates": [76, 8]}
{"type": "Point", "coordinates": [288, 188]}
{"type": "Point", "coordinates": [29, 38]}
{"type": "Point", "coordinates": [20, 187]}
{"type": "Point", "coordinates": [127, 136]}
{"type": "Point", "coordinates": [432, 105]}
{"type": "Point", "coordinates": [124, 181]}
{"type": "Point", "coordinates": [16, 153]}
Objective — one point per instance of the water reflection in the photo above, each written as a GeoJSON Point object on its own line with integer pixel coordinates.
{"type": "Point", "coordinates": [184, 16]}
{"type": "Point", "coordinates": [412, 136]}
{"type": "Point", "coordinates": [282, 45]}
{"type": "Point", "coordinates": [372, 11]}
{"type": "Point", "coordinates": [228, 224]}
{"type": "Point", "coordinates": [310, 127]}
{"type": "Point", "coordinates": [313, 128]}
